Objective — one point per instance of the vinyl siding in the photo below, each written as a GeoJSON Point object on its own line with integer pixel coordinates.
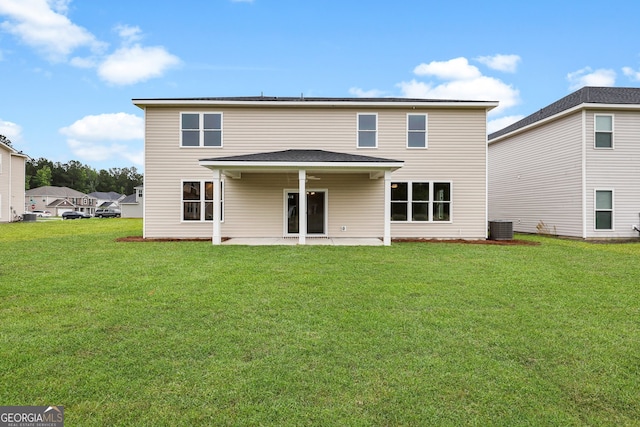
{"type": "Point", "coordinates": [12, 179]}
{"type": "Point", "coordinates": [17, 184]}
{"type": "Point", "coordinates": [4, 185]}
{"type": "Point", "coordinates": [254, 204]}
{"type": "Point", "coordinates": [535, 178]}
{"type": "Point", "coordinates": [617, 169]}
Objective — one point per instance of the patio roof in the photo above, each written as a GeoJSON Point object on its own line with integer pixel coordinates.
{"type": "Point", "coordinates": [294, 160]}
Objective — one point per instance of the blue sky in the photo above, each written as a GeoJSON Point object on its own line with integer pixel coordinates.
{"type": "Point", "coordinates": [69, 69]}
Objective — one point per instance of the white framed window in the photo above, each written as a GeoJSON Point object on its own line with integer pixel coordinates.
{"type": "Point", "coordinates": [603, 131]}
{"type": "Point", "coordinates": [201, 130]}
{"type": "Point", "coordinates": [197, 200]}
{"type": "Point", "coordinates": [421, 201]}
{"type": "Point", "coordinates": [367, 130]}
{"type": "Point", "coordinates": [417, 131]}
{"type": "Point", "coordinates": [603, 215]}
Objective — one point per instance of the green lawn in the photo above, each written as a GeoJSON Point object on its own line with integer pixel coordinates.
{"type": "Point", "coordinates": [416, 334]}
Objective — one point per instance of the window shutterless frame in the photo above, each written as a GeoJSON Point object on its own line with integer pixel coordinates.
{"type": "Point", "coordinates": [421, 201]}
{"type": "Point", "coordinates": [603, 131]}
{"type": "Point", "coordinates": [197, 201]}
{"type": "Point", "coordinates": [201, 129]}
{"type": "Point", "coordinates": [603, 215]}
{"type": "Point", "coordinates": [367, 130]}
{"type": "Point", "coordinates": [417, 130]}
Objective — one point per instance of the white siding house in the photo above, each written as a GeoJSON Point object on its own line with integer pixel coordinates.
{"type": "Point", "coordinates": [572, 168]}
{"type": "Point", "coordinates": [12, 183]}
{"type": "Point", "coordinates": [383, 168]}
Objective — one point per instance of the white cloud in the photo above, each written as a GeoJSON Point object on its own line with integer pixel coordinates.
{"type": "Point", "coordinates": [588, 77]}
{"type": "Point", "coordinates": [453, 69]}
{"type": "Point", "coordinates": [360, 93]}
{"type": "Point", "coordinates": [506, 63]}
{"type": "Point", "coordinates": [43, 25]}
{"type": "Point", "coordinates": [133, 64]}
{"type": "Point", "coordinates": [115, 126]}
{"type": "Point", "coordinates": [502, 122]}
{"type": "Point", "coordinates": [482, 88]}
{"type": "Point", "coordinates": [99, 137]}
{"type": "Point", "coordinates": [129, 34]}
{"type": "Point", "coordinates": [631, 73]}
{"type": "Point", "coordinates": [11, 130]}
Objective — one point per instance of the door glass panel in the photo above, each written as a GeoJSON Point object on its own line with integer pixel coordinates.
{"type": "Point", "coordinates": [315, 212]}
{"type": "Point", "coordinates": [292, 213]}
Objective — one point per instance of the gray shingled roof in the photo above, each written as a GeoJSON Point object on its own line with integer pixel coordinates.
{"type": "Point", "coordinates": [586, 95]}
{"type": "Point", "coordinates": [131, 198]}
{"type": "Point", "coordinates": [308, 99]}
{"type": "Point", "coordinates": [52, 191]}
{"type": "Point", "coordinates": [106, 195]}
{"type": "Point", "coordinates": [302, 156]}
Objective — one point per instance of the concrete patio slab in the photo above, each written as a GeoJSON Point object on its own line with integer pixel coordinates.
{"type": "Point", "coordinates": [289, 241]}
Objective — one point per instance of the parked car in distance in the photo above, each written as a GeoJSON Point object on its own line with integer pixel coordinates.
{"type": "Point", "coordinates": [75, 215]}
{"type": "Point", "coordinates": [40, 213]}
{"type": "Point", "coordinates": [107, 213]}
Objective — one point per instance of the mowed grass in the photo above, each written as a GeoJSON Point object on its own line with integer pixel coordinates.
{"type": "Point", "coordinates": [189, 334]}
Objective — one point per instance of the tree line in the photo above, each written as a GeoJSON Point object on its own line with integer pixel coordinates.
{"type": "Point", "coordinates": [83, 178]}
{"type": "Point", "coordinates": [73, 174]}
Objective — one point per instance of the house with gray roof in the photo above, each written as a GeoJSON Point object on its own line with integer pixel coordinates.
{"type": "Point", "coordinates": [307, 169]}
{"type": "Point", "coordinates": [12, 179]}
{"type": "Point", "coordinates": [107, 199]}
{"type": "Point", "coordinates": [571, 168]}
{"type": "Point", "coordinates": [132, 206]}
{"type": "Point", "coordinates": [58, 200]}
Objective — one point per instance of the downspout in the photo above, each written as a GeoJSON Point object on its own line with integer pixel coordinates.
{"type": "Point", "coordinates": [486, 178]}
{"type": "Point", "coordinates": [584, 174]}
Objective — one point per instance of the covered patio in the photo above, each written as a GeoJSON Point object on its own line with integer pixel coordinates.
{"type": "Point", "coordinates": [303, 163]}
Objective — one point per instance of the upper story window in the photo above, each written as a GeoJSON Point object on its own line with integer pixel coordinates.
{"type": "Point", "coordinates": [367, 130]}
{"type": "Point", "coordinates": [416, 131]}
{"type": "Point", "coordinates": [201, 130]}
{"type": "Point", "coordinates": [603, 131]}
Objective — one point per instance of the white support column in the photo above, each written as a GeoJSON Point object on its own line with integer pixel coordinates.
{"type": "Point", "coordinates": [387, 209]}
{"type": "Point", "coordinates": [217, 238]}
{"type": "Point", "coordinates": [302, 206]}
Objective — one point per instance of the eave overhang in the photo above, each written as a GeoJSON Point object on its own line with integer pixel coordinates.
{"type": "Point", "coordinates": [291, 161]}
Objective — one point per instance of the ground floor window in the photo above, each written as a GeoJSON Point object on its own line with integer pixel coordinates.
{"type": "Point", "coordinates": [420, 201]}
{"type": "Point", "coordinates": [604, 210]}
{"type": "Point", "coordinates": [197, 201]}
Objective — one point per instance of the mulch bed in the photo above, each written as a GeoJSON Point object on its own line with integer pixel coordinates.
{"type": "Point", "coordinates": [469, 242]}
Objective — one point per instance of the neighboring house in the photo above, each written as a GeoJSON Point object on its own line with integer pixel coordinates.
{"type": "Point", "coordinates": [379, 167]}
{"type": "Point", "coordinates": [59, 200]}
{"type": "Point", "coordinates": [132, 206]}
{"type": "Point", "coordinates": [12, 180]}
{"type": "Point", "coordinates": [572, 168]}
{"type": "Point", "coordinates": [105, 200]}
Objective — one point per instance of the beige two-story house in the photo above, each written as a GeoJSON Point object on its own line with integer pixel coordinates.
{"type": "Point", "coordinates": [58, 200]}
{"type": "Point", "coordinates": [12, 183]}
{"type": "Point", "coordinates": [571, 168]}
{"type": "Point", "coordinates": [384, 168]}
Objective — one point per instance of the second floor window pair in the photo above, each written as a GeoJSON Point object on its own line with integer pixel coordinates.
{"type": "Point", "coordinates": [205, 130]}
{"type": "Point", "coordinates": [368, 130]}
